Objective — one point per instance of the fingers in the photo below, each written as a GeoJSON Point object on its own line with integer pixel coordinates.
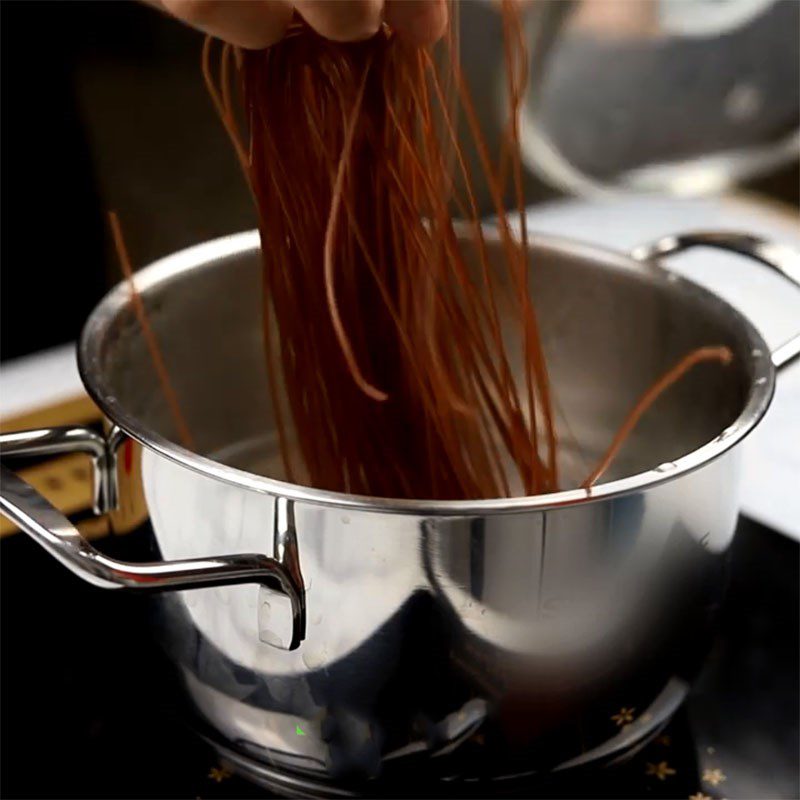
{"type": "Point", "coordinates": [342, 20]}
{"type": "Point", "coordinates": [252, 24]}
{"type": "Point", "coordinates": [418, 21]}
{"type": "Point", "coordinates": [256, 24]}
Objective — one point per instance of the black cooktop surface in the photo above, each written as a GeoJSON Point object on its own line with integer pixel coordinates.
{"type": "Point", "coordinates": [87, 709]}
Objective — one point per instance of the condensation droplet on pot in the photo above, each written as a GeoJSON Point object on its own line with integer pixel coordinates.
{"type": "Point", "coordinates": [317, 619]}
{"type": "Point", "coordinates": [345, 520]}
{"type": "Point", "coordinates": [760, 381]}
{"type": "Point", "coordinates": [267, 636]}
{"type": "Point", "coordinates": [743, 102]}
{"type": "Point", "coordinates": [756, 352]}
{"type": "Point", "coordinates": [280, 689]}
{"type": "Point", "coordinates": [667, 466]}
{"type": "Point", "coordinates": [314, 657]}
{"type": "Point", "coordinates": [264, 614]}
{"type": "Point", "coordinates": [727, 433]}
{"type": "Point", "coordinates": [266, 632]}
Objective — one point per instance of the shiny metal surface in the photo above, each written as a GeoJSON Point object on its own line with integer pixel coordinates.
{"type": "Point", "coordinates": [493, 637]}
{"type": "Point", "coordinates": [68, 439]}
{"type": "Point", "coordinates": [578, 341]}
{"type": "Point", "coordinates": [784, 260]}
{"type": "Point", "coordinates": [29, 510]}
{"type": "Point", "coordinates": [485, 643]}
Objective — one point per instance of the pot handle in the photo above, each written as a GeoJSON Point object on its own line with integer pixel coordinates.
{"type": "Point", "coordinates": [47, 526]}
{"type": "Point", "coordinates": [783, 259]}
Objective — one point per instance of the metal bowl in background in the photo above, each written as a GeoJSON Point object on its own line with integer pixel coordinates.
{"type": "Point", "coordinates": [463, 639]}
{"type": "Point", "coordinates": [681, 96]}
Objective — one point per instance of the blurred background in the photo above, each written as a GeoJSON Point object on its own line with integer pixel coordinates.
{"type": "Point", "coordinates": [104, 108]}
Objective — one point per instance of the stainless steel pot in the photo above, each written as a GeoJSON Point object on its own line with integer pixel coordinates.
{"type": "Point", "coordinates": [330, 638]}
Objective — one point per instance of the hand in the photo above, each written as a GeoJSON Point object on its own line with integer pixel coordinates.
{"type": "Point", "coordinates": [255, 24]}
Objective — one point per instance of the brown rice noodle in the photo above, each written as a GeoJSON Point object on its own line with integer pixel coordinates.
{"type": "Point", "coordinates": [390, 371]}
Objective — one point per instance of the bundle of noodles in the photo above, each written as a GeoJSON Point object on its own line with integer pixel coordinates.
{"type": "Point", "coordinates": [389, 373]}
{"type": "Point", "coordinates": [388, 369]}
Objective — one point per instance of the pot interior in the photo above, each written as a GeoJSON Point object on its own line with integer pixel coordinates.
{"type": "Point", "coordinates": [610, 327]}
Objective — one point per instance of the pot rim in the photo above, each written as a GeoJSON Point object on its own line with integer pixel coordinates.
{"type": "Point", "coordinates": [759, 397]}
